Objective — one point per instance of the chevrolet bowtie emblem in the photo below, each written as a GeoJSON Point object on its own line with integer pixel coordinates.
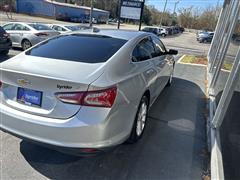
{"type": "Point", "coordinates": [23, 82]}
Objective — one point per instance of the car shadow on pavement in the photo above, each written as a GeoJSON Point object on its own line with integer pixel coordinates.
{"type": "Point", "coordinates": [172, 147]}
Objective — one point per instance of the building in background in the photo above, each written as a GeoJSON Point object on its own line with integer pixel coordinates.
{"type": "Point", "coordinates": [60, 11]}
{"type": "Point", "coordinates": [224, 93]}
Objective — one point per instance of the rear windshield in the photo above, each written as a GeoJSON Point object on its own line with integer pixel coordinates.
{"type": "Point", "coordinates": [40, 27]}
{"type": "Point", "coordinates": [79, 48]}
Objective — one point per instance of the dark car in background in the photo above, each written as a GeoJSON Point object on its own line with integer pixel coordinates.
{"type": "Point", "coordinates": [159, 31]}
{"type": "Point", "coordinates": [205, 37]}
{"type": "Point", "coordinates": [5, 42]}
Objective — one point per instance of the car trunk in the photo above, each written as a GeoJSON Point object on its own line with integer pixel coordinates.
{"type": "Point", "coordinates": [30, 84]}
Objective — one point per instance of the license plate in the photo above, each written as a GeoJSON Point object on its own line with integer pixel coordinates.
{"type": "Point", "coordinates": [29, 97]}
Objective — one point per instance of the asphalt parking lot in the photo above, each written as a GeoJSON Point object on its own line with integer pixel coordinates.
{"type": "Point", "coordinates": [173, 146]}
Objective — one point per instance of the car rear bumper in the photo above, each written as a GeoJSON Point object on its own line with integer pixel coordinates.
{"type": "Point", "coordinates": [74, 133]}
{"type": "Point", "coordinates": [5, 46]}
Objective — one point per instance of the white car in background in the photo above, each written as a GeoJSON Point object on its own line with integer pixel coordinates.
{"type": "Point", "coordinates": [159, 31]}
{"type": "Point", "coordinates": [25, 35]}
{"type": "Point", "coordinates": [61, 28]}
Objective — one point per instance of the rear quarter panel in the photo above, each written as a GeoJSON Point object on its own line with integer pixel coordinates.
{"type": "Point", "coordinates": [131, 84]}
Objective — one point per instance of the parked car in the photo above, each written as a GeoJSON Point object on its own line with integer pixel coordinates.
{"type": "Point", "coordinates": [5, 42]}
{"type": "Point", "coordinates": [86, 91]}
{"type": "Point", "coordinates": [169, 31]}
{"type": "Point", "coordinates": [156, 30]}
{"type": "Point", "coordinates": [205, 37]}
{"type": "Point", "coordinates": [25, 35]}
{"type": "Point", "coordinates": [67, 28]}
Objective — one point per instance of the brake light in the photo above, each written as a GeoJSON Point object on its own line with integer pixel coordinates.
{"type": "Point", "coordinates": [101, 98]}
{"type": "Point", "coordinates": [6, 35]}
{"type": "Point", "coordinates": [41, 34]}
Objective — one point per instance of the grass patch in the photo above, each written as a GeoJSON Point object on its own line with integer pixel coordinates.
{"type": "Point", "coordinates": [190, 59]}
{"type": "Point", "coordinates": [227, 66]}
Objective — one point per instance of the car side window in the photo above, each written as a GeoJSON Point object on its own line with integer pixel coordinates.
{"type": "Point", "coordinates": [159, 47]}
{"type": "Point", "coordinates": [58, 28]}
{"type": "Point", "coordinates": [143, 51]}
{"type": "Point", "coordinates": [19, 27]}
{"type": "Point", "coordinates": [8, 27]}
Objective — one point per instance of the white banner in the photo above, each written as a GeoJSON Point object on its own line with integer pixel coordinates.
{"type": "Point", "coordinates": [130, 12]}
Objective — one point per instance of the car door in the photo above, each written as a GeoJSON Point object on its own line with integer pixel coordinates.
{"type": "Point", "coordinates": [143, 55]}
{"type": "Point", "coordinates": [19, 31]}
{"type": "Point", "coordinates": [163, 64]}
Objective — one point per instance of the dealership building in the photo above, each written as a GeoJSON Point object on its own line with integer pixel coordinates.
{"type": "Point", "coordinates": [59, 10]}
{"type": "Point", "coordinates": [224, 94]}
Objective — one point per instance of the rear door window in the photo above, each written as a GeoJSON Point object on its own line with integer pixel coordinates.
{"type": "Point", "coordinates": [79, 48]}
{"type": "Point", "coordinates": [19, 27]}
{"type": "Point", "coordinates": [58, 28]}
{"type": "Point", "coordinates": [40, 27]}
{"type": "Point", "coordinates": [159, 47]}
{"type": "Point", "coordinates": [143, 51]}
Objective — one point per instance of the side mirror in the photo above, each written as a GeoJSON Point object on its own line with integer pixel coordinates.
{"type": "Point", "coordinates": [172, 52]}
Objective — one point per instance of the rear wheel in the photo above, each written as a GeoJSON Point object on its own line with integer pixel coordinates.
{"type": "Point", "coordinates": [163, 35]}
{"type": "Point", "coordinates": [26, 44]}
{"type": "Point", "coordinates": [140, 121]}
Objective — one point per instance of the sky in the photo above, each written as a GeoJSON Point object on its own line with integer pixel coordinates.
{"type": "Point", "coordinates": [159, 4]}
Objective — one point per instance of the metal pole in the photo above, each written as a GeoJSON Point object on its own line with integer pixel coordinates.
{"type": "Point", "coordinates": [91, 15]}
{"type": "Point", "coordinates": [224, 28]}
{"type": "Point", "coordinates": [215, 37]}
{"type": "Point", "coordinates": [142, 9]}
{"type": "Point", "coordinates": [119, 12]}
{"type": "Point", "coordinates": [227, 93]}
{"type": "Point", "coordinates": [163, 12]}
{"type": "Point", "coordinates": [219, 64]}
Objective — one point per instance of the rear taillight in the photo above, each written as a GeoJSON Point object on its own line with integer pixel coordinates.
{"type": "Point", "coordinates": [6, 35]}
{"type": "Point", "coordinates": [42, 34]}
{"type": "Point", "coordinates": [101, 98]}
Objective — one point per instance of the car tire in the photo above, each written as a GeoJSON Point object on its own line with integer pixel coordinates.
{"type": "Point", "coordinates": [5, 52]}
{"type": "Point", "coordinates": [163, 35]}
{"type": "Point", "coordinates": [26, 44]}
{"type": "Point", "coordinates": [140, 121]}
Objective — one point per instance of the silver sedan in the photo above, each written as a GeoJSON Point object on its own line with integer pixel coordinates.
{"type": "Point", "coordinates": [84, 91]}
{"type": "Point", "coordinates": [25, 35]}
{"type": "Point", "coordinates": [67, 28]}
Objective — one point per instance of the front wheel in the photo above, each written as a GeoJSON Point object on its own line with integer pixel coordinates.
{"type": "Point", "coordinates": [140, 121]}
{"type": "Point", "coordinates": [26, 44]}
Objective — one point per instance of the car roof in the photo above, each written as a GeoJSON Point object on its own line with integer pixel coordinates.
{"type": "Point", "coordinates": [120, 34]}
